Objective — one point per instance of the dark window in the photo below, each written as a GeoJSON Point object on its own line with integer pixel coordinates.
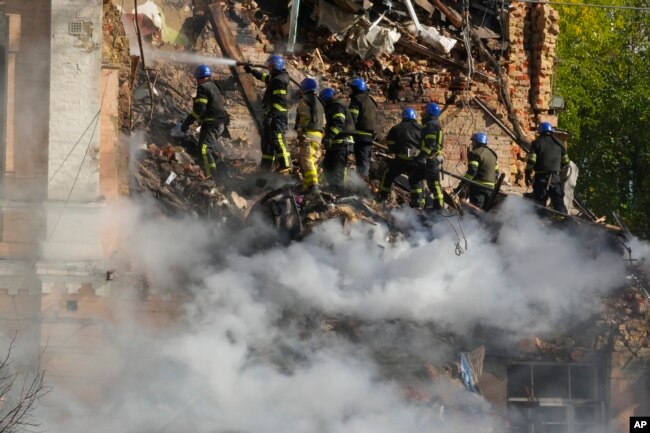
{"type": "Point", "coordinates": [71, 306]}
{"type": "Point", "coordinates": [564, 398]}
{"type": "Point", "coordinates": [586, 414]}
{"type": "Point", "coordinates": [551, 381]}
{"type": "Point", "coordinates": [519, 376]}
{"type": "Point", "coordinates": [554, 428]}
{"type": "Point", "coordinates": [551, 414]}
{"type": "Point", "coordinates": [583, 382]}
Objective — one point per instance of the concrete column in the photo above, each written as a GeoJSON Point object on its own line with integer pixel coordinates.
{"type": "Point", "coordinates": [72, 208]}
{"type": "Point", "coordinates": [75, 98]}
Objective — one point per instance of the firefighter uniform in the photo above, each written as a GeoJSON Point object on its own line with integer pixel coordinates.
{"type": "Point", "coordinates": [310, 122]}
{"type": "Point", "coordinates": [429, 160]}
{"type": "Point", "coordinates": [364, 113]}
{"type": "Point", "coordinates": [404, 141]}
{"type": "Point", "coordinates": [338, 138]}
{"type": "Point", "coordinates": [208, 110]}
{"type": "Point", "coordinates": [547, 156]}
{"type": "Point", "coordinates": [275, 118]}
{"type": "Point", "coordinates": [482, 167]}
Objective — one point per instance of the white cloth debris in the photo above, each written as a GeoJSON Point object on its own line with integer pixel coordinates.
{"type": "Point", "coordinates": [374, 42]}
{"type": "Point", "coordinates": [432, 37]}
{"type": "Point", "coordinates": [151, 11]}
{"type": "Point", "coordinates": [569, 177]}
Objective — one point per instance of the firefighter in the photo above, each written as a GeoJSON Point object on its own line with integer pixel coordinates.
{"type": "Point", "coordinates": [404, 141]}
{"type": "Point", "coordinates": [275, 113]}
{"type": "Point", "coordinates": [547, 157]}
{"type": "Point", "coordinates": [310, 122]}
{"type": "Point", "coordinates": [364, 112]}
{"type": "Point", "coordinates": [429, 161]}
{"type": "Point", "coordinates": [338, 138]}
{"type": "Point", "coordinates": [482, 168]}
{"type": "Point", "coordinates": [208, 110]}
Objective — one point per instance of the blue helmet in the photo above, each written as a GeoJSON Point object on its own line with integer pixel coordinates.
{"type": "Point", "coordinates": [409, 114]}
{"type": "Point", "coordinates": [432, 109]}
{"type": "Point", "coordinates": [359, 84]}
{"type": "Point", "coordinates": [308, 85]}
{"type": "Point", "coordinates": [545, 127]}
{"type": "Point", "coordinates": [480, 137]}
{"type": "Point", "coordinates": [276, 62]}
{"type": "Point", "coordinates": [202, 71]}
{"type": "Point", "coordinates": [326, 94]}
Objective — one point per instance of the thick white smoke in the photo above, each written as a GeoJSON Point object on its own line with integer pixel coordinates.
{"type": "Point", "coordinates": [249, 353]}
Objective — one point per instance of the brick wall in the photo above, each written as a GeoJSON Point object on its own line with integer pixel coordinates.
{"type": "Point", "coordinates": [533, 32]}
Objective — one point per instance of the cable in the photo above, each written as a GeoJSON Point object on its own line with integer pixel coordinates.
{"type": "Point", "coordinates": [91, 120]}
{"type": "Point", "coordinates": [588, 5]}
{"type": "Point", "coordinates": [83, 134]}
{"type": "Point", "coordinates": [460, 249]}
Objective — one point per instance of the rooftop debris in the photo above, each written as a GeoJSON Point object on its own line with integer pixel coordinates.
{"type": "Point", "coordinates": [167, 169]}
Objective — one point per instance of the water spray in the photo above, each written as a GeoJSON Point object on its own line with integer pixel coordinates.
{"type": "Point", "coordinates": [190, 58]}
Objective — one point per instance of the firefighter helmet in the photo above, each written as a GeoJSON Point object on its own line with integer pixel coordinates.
{"type": "Point", "coordinates": [359, 84]}
{"type": "Point", "coordinates": [308, 85]}
{"type": "Point", "coordinates": [432, 109]}
{"type": "Point", "coordinates": [276, 62]}
{"type": "Point", "coordinates": [202, 71]}
{"type": "Point", "coordinates": [545, 127]}
{"type": "Point", "coordinates": [480, 137]}
{"type": "Point", "coordinates": [409, 114]}
{"type": "Point", "coordinates": [326, 94]}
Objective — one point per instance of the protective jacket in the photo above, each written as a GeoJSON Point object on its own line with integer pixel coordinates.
{"type": "Point", "coordinates": [340, 124]}
{"type": "Point", "coordinates": [404, 139]}
{"type": "Point", "coordinates": [310, 115]}
{"type": "Point", "coordinates": [482, 166]}
{"type": "Point", "coordinates": [547, 155]}
{"type": "Point", "coordinates": [208, 106]}
{"type": "Point", "coordinates": [275, 95]}
{"type": "Point", "coordinates": [432, 139]}
{"type": "Point", "coordinates": [364, 112]}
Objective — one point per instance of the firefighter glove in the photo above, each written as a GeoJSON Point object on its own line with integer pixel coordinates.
{"type": "Point", "coordinates": [177, 131]}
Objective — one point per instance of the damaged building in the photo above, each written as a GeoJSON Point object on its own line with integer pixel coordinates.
{"type": "Point", "coordinates": [88, 94]}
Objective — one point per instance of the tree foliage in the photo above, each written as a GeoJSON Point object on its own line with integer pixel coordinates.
{"type": "Point", "coordinates": [603, 65]}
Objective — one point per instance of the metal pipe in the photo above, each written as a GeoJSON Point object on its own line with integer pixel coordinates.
{"type": "Point", "coordinates": [414, 17]}
{"type": "Point", "coordinates": [293, 25]}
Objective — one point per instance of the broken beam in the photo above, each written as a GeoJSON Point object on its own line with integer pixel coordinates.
{"type": "Point", "coordinates": [424, 51]}
{"type": "Point", "coordinates": [231, 50]}
{"type": "Point", "coordinates": [538, 206]}
{"type": "Point", "coordinates": [483, 106]}
{"type": "Point", "coordinates": [424, 4]}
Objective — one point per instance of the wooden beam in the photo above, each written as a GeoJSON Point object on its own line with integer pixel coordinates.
{"type": "Point", "coordinates": [424, 4]}
{"type": "Point", "coordinates": [230, 49]}
{"type": "Point", "coordinates": [424, 51]}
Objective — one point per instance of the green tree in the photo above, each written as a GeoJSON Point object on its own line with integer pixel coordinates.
{"type": "Point", "coordinates": [603, 66]}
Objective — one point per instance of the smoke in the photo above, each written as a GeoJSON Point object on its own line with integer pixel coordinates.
{"type": "Point", "coordinates": [250, 351]}
{"type": "Point", "coordinates": [157, 54]}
